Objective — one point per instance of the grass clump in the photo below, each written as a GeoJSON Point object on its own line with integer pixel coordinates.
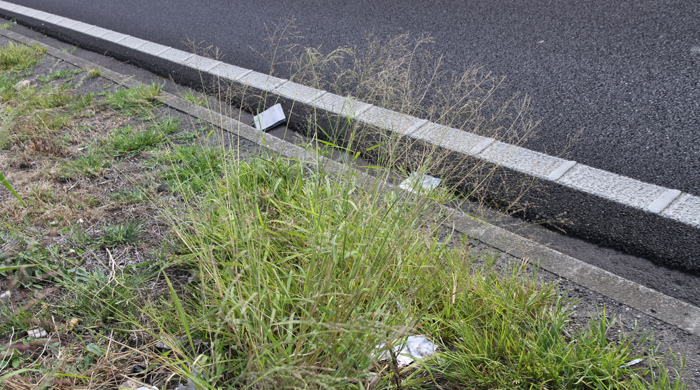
{"type": "Point", "coordinates": [18, 57]}
{"type": "Point", "coordinates": [191, 168]}
{"type": "Point", "coordinates": [90, 164]}
{"type": "Point", "coordinates": [136, 101]}
{"type": "Point", "coordinates": [197, 100]}
{"type": "Point", "coordinates": [301, 276]}
{"type": "Point", "coordinates": [130, 141]}
{"type": "Point", "coordinates": [94, 72]}
{"type": "Point", "coordinates": [118, 234]}
{"type": "Point", "coordinates": [33, 115]}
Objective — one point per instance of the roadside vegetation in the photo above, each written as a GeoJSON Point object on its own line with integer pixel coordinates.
{"type": "Point", "coordinates": [143, 252]}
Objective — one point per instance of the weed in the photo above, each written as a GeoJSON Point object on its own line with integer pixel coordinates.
{"type": "Point", "coordinates": [55, 75]}
{"type": "Point", "coordinates": [70, 50]}
{"type": "Point", "coordinates": [167, 125]}
{"type": "Point", "coordinates": [128, 141]}
{"type": "Point", "coordinates": [129, 196]}
{"type": "Point", "coordinates": [135, 101]}
{"type": "Point", "coordinates": [121, 234]}
{"type": "Point", "coordinates": [103, 298]}
{"type": "Point", "coordinates": [7, 26]}
{"type": "Point", "coordinates": [91, 164]}
{"type": "Point", "coordinates": [94, 72]}
{"type": "Point", "coordinates": [17, 57]}
{"type": "Point", "coordinates": [192, 168]}
{"type": "Point", "coordinates": [198, 100]}
{"type": "Point", "coordinates": [401, 74]}
{"type": "Point", "coordinates": [301, 276]}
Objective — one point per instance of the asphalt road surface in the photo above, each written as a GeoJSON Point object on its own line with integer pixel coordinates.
{"type": "Point", "coordinates": [626, 73]}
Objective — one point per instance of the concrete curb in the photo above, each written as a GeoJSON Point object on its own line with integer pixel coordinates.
{"type": "Point", "coordinates": [658, 223]}
{"type": "Point", "coordinates": [658, 305]}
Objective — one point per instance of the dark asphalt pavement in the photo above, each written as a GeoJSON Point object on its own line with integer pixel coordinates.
{"type": "Point", "coordinates": [626, 73]}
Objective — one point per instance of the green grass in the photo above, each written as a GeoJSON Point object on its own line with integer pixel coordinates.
{"type": "Point", "coordinates": [129, 141]}
{"type": "Point", "coordinates": [121, 234]}
{"type": "Point", "coordinates": [59, 74]}
{"type": "Point", "coordinates": [198, 100]}
{"type": "Point", "coordinates": [7, 26]}
{"type": "Point", "coordinates": [90, 164]}
{"type": "Point", "coordinates": [129, 196]}
{"type": "Point", "coordinates": [135, 101]}
{"type": "Point", "coordinates": [18, 57]}
{"type": "Point", "coordinates": [94, 72]}
{"type": "Point", "coordinates": [301, 276]}
{"type": "Point", "coordinates": [192, 168]}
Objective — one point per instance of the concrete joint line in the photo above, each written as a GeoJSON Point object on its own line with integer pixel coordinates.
{"type": "Point", "coordinates": [316, 97]}
{"type": "Point", "coordinates": [482, 146]}
{"type": "Point", "coordinates": [559, 172]}
{"type": "Point", "coordinates": [663, 201]}
{"type": "Point", "coordinates": [242, 75]}
{"type": "Point", "coordinates": [417, 126]}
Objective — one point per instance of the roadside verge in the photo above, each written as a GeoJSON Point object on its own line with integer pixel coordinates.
{"type": "Point", "coordinates": [658, 305]}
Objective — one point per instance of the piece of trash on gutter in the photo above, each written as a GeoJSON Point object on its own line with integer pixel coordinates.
{"type": "Point", "coordinates": [414, 348]}
{"type": "Point", "coordinates": [269, 118]}
{"type": "Point", "coordinates": [427, 182]}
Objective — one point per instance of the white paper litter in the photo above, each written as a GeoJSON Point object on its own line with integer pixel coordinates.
{"type": "Point", "coordinates": [269, 118]}
{"type": "Point", "coordinates": [38, 333]}
{"type": "Point", "coordinates": [415, 347]}
{"type": "Point", "coordinates": [427, 182]}
{"type": "Point", "coordinates": [632, 363]}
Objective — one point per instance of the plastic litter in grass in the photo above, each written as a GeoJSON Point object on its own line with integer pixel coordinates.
{"type": "Point", "coordinates": [415, 347]}
{"type": "Point", "coordinates": [427, 182]}
{"type": "Point", "coordinates": [38, 333]}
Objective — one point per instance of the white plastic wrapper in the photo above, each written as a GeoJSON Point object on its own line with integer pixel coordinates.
{"type": "Point", "coordinates": [427, 182]}
{"type": "Point", "coordinates": [269, 118]}
{"type": "Point", "coordinates": [415, 347]}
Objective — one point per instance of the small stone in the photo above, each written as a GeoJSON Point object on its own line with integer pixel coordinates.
{"type": "Point", "coordinates": [37, 333]}
{"type": "Point", "coordinates": [6, 295]}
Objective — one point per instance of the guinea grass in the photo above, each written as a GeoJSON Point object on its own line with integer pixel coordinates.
{"type": "Point", "coordinates": [300, 275]}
